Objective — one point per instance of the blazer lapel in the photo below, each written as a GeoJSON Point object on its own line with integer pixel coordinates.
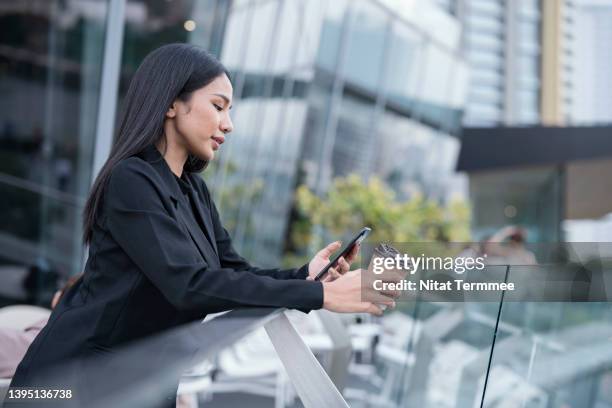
{"type": "Point", "coordinates": [197, 236]}
{"type": "Point", "coordinates": [206, 218]}
{"type": "Point", "coordinates": [207, 247]}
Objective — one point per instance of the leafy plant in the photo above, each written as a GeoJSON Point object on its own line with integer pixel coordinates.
{"type": "Point", "coordinates": [351, 204]}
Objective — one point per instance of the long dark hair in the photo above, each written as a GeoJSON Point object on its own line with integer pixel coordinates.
{"type": "Point", "coordinates": [171, 72]}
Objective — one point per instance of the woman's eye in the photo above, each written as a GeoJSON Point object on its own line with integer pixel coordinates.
{"type": "Point", "coordinates": [217, 107]}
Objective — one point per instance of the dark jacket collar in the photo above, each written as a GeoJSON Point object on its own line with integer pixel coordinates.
{"type": "Point", "coordinates": [151, 155]}
{"type": "Point", "coordinates": [184, 183]}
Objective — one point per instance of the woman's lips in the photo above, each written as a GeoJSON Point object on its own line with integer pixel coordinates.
{"type": "Point", "coordinates": [217, 142]}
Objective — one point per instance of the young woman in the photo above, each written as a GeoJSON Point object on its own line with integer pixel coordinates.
{"type": "Point", "coordinates": [158, 253]}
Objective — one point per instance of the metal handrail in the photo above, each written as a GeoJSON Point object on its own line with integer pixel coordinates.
{"type": "Point", "coordinates": [131, 376]}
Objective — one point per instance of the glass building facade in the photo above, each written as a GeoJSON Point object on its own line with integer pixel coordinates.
{"type": "Point", "coordinates": [327, 90]}
{"type": "Point", "coordinates": [321, 89]}
{"type": "Point", "coordinates": [51, 56]}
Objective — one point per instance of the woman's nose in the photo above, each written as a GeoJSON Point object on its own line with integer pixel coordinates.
{"type": "Point", "coordinates": [227, 126]}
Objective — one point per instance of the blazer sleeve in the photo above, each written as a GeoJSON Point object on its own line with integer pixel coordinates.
{"type": "Point", "coordinates": [228, 256]}
{"type": "Point", "coordinates": [138, 221]}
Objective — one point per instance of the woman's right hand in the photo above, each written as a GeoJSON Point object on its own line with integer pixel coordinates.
{"type": "Point", "coordinates": [346, 294]}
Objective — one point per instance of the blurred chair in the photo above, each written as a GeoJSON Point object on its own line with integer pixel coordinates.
{"type": "Point", "coordinates": [22, 316]}
{"type": "Point", "coordinates": [19, 317]}
{"type": "Point", "coordinates": [406, 347]}
{"type": "Point", "coordinates": [507, 389]}
{"type": "Point", "coordinates": [446, 367]}
{"type": "Point", "coordinates": [390, 354]}
{"type": "Point", "coordinates": [196, 382]}
{"type": "Point", "coordinates": [252, 364]}
{"type": "Point", "coordinates": [363, 339]}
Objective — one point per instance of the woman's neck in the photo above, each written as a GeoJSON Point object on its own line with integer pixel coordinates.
{"type": "Point", "coordinates": [175, 156]}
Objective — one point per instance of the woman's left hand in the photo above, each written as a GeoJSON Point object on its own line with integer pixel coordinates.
{"type": "Point", "coordinates": [321, 259]}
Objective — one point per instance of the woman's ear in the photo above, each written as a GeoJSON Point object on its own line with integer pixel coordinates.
{"type": "Point", "coordinates": [171, 113]}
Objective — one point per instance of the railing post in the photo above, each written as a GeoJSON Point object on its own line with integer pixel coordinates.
{"type": "Point", "coordinates": [341, 347]}
{"type": "Point", "coordinates": [313, 385]}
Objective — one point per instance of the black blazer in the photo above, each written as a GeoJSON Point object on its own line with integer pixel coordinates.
{"type": "Point", "coordinates": [149, 270]}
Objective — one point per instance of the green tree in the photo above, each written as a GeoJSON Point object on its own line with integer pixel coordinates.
{"type": "Point", "coordinates": [351, 204]}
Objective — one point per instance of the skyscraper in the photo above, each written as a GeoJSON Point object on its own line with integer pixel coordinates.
{"type": "Point", "coordinates": [592, 80]}
{"type": "Point", "coordinates": [518, 53]}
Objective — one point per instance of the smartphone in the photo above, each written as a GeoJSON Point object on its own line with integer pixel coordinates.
{"type": "Point", "coordinates": [345, 251]}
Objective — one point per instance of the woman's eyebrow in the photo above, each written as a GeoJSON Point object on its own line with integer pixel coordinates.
{"type": "Point", "coordinates": [224, 97]}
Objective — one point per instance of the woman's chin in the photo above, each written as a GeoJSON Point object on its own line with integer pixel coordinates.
{"type": "Point", "coordinates": [206, 155]}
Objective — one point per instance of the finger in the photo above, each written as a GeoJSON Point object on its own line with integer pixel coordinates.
{"type": "Point", "coordinates": [329, 249]}
{"type": "Point", "coordinates": [332, 275]}
{"type": "Point", "coordinates": [378, 297]}
{"type": "Point", "coordinates": [391, 293]}
{"type": "Point", "coordinates": [388, 303]}
{"type": "Point", "coordinates": [353, 253]}
{"type": "Point", "coordinates": [391, 276]}
{"type": "Point", "coordinates": [343, 266]}
{"type": "Point", "coordinates": [373, 309]}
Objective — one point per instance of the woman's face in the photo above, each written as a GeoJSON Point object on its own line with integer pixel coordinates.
{"type": "Point", "coordinates": [201, 123]}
